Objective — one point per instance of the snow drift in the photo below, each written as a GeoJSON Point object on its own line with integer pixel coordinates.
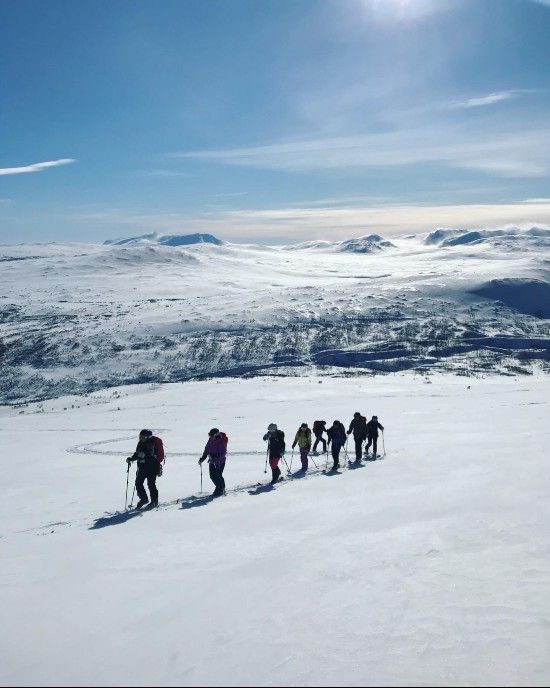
{"type": "Point", "coordinates": [535, 237]}
{"type": "Point", "coordinates": [370, 243]}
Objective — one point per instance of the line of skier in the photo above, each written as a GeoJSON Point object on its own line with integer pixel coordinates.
{"type": "Point", "coordinates": [149, 454]}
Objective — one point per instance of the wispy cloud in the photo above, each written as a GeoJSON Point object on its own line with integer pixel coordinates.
{"type": "Point", "coordinates": [338, 223]}
{"type": "Point", "coordinates": [490, 99]}
{"type": "Point", "coordinates": [36, 167]}
{"type": "Point", "coordinates": [521, 153]}
{"type": "Point", "coordinates": [166, 173]}
{"type": "Point", "coordinates": [279, 225]}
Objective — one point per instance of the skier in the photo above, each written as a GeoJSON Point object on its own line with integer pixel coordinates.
{"type": "Point", "coordinates": [149, 455]}
{"type": "Point", "coordinates": [372, 433]}
{"type": "Point", "coordinates": [336, 438]}
{"type": "Point", "coordinates": [359, 428]}
{"type": "Point", "coordinates": [216, 451]}
{"type": "Point", "coordinates": [303, 440]}
{"type": "Point", "coordinates": [275, 439]}
{"type": "Point", "coordinates": [319, 427]}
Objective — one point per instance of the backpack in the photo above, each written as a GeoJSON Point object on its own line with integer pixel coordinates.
{"type": "Point", "coordinates": [158, 448]}
{"type": "Point", "coordinates": [277, 442]}
{"type": "Point", "coordinates": [318, 427]}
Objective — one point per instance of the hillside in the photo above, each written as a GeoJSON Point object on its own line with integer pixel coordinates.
{"type": "Point", "coordinates": [429, 567]}
{"type": "Point", "coordinates": [76, 318]}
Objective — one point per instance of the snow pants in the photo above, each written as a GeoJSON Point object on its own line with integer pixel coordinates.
{"type": "Point", "coordinates": [149, 474]}
{"type": "Point", "coordinates": [359, 439]}
{"type": "Point", "coordinates": [335, 449]}
{"type": "Point", "coordinates": [304, 451]}
{"type": "Point", "coordinates": [372, 439]}
{"type": "Point", "coordinates": [275, 470]}
{"type": "Point", "coordinates": [319, 438]}
{"type": "Point", "coordinates": [216, 476]}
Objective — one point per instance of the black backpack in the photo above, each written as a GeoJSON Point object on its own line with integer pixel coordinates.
{"type": "Point", "coordinates": [277, 442]}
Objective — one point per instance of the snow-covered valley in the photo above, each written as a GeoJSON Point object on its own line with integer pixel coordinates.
{"type": "Point", "coordinates": [429, 567]}
{"type": "Point", "coordinates": [77, 318]}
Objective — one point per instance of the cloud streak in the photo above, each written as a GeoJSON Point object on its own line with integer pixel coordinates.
{"type": "Point", "coordinates": [35, 167]}
{"type": "Point", "coordinates": [519, 153]}
{"type": "Point", "coordinates": [282, 225]}
{"type": "Point", "coordinates": [490, 99]}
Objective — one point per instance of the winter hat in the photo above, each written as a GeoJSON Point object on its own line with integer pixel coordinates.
{"type": "Point", "coordinates": [272, 427]}
{"type": "Point", "coordinates": [146, 433]}
{"type": "Point", "coordinates": [213, 432]}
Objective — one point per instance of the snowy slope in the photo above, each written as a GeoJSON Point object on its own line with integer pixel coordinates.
{"type": "Point", "coordinates": [429, 567]}
{"type": "Point", "coordinates": [74, 318]}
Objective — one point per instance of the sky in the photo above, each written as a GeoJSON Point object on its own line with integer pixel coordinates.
{"type": "Point", "coordinates": [271, 121]}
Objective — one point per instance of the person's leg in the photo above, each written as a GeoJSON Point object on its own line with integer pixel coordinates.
{"type": "Point", "coordinates": [335, 455]}
{"type": "Point", "coordinates": [374, 447]}
{"type": "Point", "coordinates": [274, 465]}
{"type": "Point", "coordinates": [213, 476]}
{"type": "Point", "coordinates": [324, 442]}
{"type": "Point", "coordinates": [358, 448]}
{"type": "Point", "coordinates": [151, 484]}
{"type": "Point", "coordinates": [221, 478]}
{"type": "Point", "coordinates": [140, 479]}
{"type": "Point", "coordinates": [303, 457]}
{"type": "Point", "coordinates": [369, 442]}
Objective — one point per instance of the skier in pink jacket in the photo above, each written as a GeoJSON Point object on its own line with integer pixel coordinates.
{"type": "Point", "coordinates": [216, 452]}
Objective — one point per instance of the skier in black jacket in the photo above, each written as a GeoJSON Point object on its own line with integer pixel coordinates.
{"type": "Point", "coordinates": [359, 428]}
{"type": "Point", "coordinates": [336, 438]}
{"type": "Point", "coordinates": [275, 439]}
{"type": "Point", "coordinates": [149, 455]}
{"type": "Point", "coordinates": [372, 434]}
{"type": "Point", "coordinates": [319, 427]}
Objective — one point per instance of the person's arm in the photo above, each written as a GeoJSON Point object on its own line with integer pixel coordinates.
{"type": "Point", "coordinates": [295, 441]}
{"type": "Point", "coordinates": [132, 458]}
{"type": "Point", "coordinates": [266, 437]}
{"type": "Point", "coordinates": [206, 451]}
{"type": "Point", "coordinates": [381, 427]}
{"type": "Point", "coordinates": [351, 426]}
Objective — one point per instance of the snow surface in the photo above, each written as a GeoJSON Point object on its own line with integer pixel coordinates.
{"type": "Point", "coordinates": [429, 567]}
{"type": "Point", "coordinates": [76, 318]}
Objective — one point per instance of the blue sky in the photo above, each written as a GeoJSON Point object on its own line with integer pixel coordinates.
{"type": "Point", "coordinates": [271, 121]}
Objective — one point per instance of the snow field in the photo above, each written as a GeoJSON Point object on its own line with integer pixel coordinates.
{"type": "Point", "coordinates": [429, 567]}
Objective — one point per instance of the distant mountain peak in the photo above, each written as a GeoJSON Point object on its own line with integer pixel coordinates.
{"type": "Point", "coordinates": [167, 240]}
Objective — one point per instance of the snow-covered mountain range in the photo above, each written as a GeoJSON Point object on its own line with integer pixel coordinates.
{"type": "Point", "coordinates": [78, 317]}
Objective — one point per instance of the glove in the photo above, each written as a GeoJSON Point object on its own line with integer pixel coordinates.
{"type": "Point", "coordinates": [159, 472]}
{"type": "Point", "coordinates": [129, 460]}
{"type": "Point", "coordinates": [201, 459]}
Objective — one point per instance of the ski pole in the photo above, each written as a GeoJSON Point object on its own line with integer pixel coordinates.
{"type": "Point", "coordinates": [266, 457]}
{"type": "Point", "coordinates": [326, 461]}
{"type": "Point", "coordinates": [383, 443]}
{"type": "Point", "coordinates": [127, 481]}
{"type": "Point", "coordinates": [201, 475]}
{"type": "Point", "coordinates": [133, 493]}
{"type": "Point", "coordinates": [291, 457]}
{"type": "Point", "coordinates": [286, 464]}
{"type": "Point", "coordinates": [311, 457]}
